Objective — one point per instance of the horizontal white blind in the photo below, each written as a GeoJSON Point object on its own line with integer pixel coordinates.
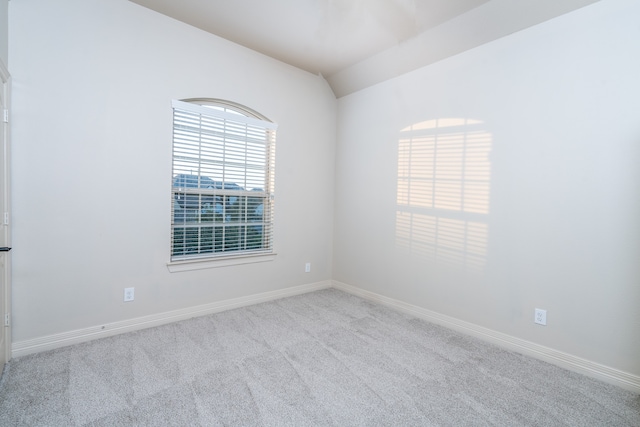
{"type": "Point", "coordinates": [222, 190]}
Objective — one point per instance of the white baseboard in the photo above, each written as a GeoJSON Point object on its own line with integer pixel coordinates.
{"type": "Point", "coordinates": [50, 342]}
{"type": "Point", "coordinates": [573, 363]}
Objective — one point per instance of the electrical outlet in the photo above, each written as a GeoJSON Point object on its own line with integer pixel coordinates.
{"type": "Point", "coordinates": [307, 267]}
{"type": "Point", "coordinates": [540, 316]}
{"type": "Point", "coordinates": [128, 294]}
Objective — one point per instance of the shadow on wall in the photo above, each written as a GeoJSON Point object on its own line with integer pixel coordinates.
{"type": "Point", "coordinates": [444, 175]}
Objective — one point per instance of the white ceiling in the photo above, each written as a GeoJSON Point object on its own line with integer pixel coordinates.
{"type": "Point", "coordinates": [357, 43]}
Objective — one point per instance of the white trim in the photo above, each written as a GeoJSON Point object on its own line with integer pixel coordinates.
{"type": "Point", "coordinates": [50, 342]}
{"type": "Point", "coordinates": [5, 144]}
{"type": "Point", "coordinates": [212, 262]}
{"type": "Point", "coordinates": [573, 363]}
{"type": "Point", "coordinates": [199, 109]}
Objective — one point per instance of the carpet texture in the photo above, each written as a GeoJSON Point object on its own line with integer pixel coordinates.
{"type": "Point", "coordinates": [323, 358]}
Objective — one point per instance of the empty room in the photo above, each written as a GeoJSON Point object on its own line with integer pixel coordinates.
{"type": "Point", "coordinates": [320, 212]}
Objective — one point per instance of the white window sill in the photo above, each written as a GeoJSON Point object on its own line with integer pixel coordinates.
{"type": "Point", "coordinates": [202, 263]}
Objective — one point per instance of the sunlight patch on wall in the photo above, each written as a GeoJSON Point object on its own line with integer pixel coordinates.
{"type": "Point", "coordinates": [444, 175]}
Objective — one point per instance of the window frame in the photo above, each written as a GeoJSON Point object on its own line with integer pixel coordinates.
{"type": "Point", "coordinates": [235, 126]}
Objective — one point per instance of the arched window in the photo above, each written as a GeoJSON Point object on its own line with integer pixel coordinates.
{"type": "Point", "coordinates": [222, 182]}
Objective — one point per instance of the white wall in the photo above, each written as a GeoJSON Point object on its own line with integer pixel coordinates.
{"type": "Point", "coordinates": [559, 226]}
{"type": "Point", "coordinates": [4, 32]}
{"type": "Point", "coordinates": [93, 84]}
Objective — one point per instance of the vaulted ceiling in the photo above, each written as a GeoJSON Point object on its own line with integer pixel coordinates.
{"type": "Point", "coordinates": [358, 43]}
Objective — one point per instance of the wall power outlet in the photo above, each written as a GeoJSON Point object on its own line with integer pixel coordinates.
{"type": "Point", "coordinates": [128, 294]}
{"type": "Point", "coordinates": [540, 316]}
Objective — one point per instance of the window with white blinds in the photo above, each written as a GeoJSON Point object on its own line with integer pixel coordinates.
{"type": "Point", "coordinates": [223, 181]}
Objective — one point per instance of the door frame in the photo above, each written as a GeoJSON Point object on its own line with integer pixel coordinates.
{"type": "Point", "coordinates": [5, 195]}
